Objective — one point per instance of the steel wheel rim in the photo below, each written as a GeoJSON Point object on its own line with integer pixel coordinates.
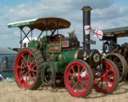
{"type": "Point", "coordinates": [74, 78]}
{"type": "Point", "coordinates": [108, 78]}
{"type": "Point", "coordinates": [25, 70]}
{"type": "Point", "coordinates": [121, 63]}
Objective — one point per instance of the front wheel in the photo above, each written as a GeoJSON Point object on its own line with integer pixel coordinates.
{"type": "Point", "coordinates": [109, 78]}
{"type": "Point", "coordinates": [78, 78]}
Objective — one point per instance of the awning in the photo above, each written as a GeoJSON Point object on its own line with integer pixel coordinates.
{"type": "Point", "coordinates": [49, 23]}
{"type": "Point", "coordinates": [116, 32]}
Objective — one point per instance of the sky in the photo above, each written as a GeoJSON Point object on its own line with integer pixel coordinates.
{"type": "Point", "coordinates": [105, 14]}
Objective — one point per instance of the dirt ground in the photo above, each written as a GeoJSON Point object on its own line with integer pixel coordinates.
{"type": "Point", "coordinates": [9, 92]}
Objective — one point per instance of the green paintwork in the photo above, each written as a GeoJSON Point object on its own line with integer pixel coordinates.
{"type": "Point", "coordinates": [33, 44]}
{"type": "Point", "coordinates": [60, 59]}
{"type": "Point", "coordinates": [69, 54]}
{"type": "Point", "coordinates": [66, 57]}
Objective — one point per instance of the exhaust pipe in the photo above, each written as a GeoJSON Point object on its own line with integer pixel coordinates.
{"type": "Point", "coordinates": [86, 27]}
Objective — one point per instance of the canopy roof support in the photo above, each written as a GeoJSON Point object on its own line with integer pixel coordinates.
{"type": "Point", "coordinates": [52, 32]}
{"type": "Point", "coordinates": [25, 36]}
{"type": "Point", "coordinates": [40, 35]}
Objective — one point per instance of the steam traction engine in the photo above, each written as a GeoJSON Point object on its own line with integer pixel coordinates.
{"type": "Point", "coordinates": [53, 58]}
{"type": "Point", "coordinates": [114, 51]}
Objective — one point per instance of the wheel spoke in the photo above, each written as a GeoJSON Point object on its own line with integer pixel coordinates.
{"type": "Point", "coordinates": [31, 76]}
{"type": "Point", "coordinates": [75, 85]}
{"type": "Point", "coordinates": [78, 68]}
{"type": "Point", "coordinates": [87, 76]}
{"type": "Point", "coordinates": [71, 74]}
{"type": "Point", "coordinates": [72, 68]}
{"type": "Point", "coordinates": [82, 70]}
{"type": "Point", "coordinates": [23, 58]}
{"type": "Point", "coordinates": [83, 84]}
{"type": "Point", "coordinates": [33, 68]}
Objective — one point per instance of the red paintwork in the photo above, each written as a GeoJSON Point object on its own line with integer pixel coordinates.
{"type": "Point", "coordinates": [25, 70]}
{"type": "Point", "coordinates": [75, 72]}
{"type": "Point", "coordinates": [109, 76]}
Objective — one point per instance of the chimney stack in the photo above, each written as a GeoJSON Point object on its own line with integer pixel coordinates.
{"type": "Point", "coordinates": [86, 27]}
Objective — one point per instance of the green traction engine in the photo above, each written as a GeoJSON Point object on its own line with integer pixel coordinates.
{"type": "Point", "coordinates": [51, 58]}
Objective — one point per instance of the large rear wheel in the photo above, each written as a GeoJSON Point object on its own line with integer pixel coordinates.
{"type": "Point", "coordinates": [78, 78]}
{"type": "Point", "coordinates": [121, 63]}
{"type": "Point", "coordinates": [27, 68]}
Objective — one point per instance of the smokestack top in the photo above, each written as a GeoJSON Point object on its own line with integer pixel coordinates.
{"type": "Point", "coordinates": [86, 8]}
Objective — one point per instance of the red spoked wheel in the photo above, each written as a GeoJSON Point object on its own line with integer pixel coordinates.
{"type": "Point", "coordinates": [108, 81]}
{"type": "Point", "coordinates": [27, 69]}
{"type": "Point", "coordinates": [78, 78]}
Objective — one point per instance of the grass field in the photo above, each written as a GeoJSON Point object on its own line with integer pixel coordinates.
{"type": "Point", "coordinates": [9, 92]}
